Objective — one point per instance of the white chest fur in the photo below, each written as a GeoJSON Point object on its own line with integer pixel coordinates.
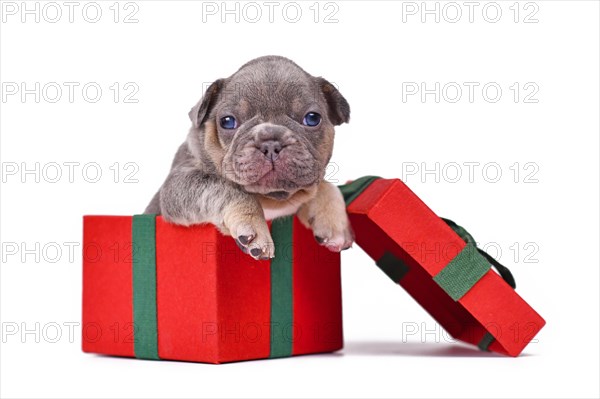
{"type": "Point", "coordinates": [275, 212]}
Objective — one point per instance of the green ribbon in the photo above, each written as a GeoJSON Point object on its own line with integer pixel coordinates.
{"type": "Point", "coordinates": [143, 231]}
{"type": "Point", "coordinates": [392, 266]}
{"type": "Point", "coordinates": [463, 272]}
{"type": "Point", "coordinates": [485, 342]}
{"type": "Point", "coordinates": [282, 309]}
{"type": "Point", "coordinates": [353, 189]}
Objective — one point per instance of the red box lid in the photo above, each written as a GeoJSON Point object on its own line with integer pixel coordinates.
{"type": "Point", "coordinates": [412, 245]}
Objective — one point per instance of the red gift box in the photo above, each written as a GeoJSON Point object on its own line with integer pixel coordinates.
{"type": "Point", "coordinates": [160, 291]}
{"type": "Point", "coordinates": [447, 276]}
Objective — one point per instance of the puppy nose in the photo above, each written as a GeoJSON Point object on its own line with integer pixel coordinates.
{"type": "Point", "coordinates": [270, 149]}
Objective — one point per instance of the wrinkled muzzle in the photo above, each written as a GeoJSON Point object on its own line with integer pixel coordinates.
{"type": "Point", "coordinates": [271, 157]}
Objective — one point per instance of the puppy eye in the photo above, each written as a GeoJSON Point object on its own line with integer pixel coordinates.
{"type": "Point", "coordinates": [228, 122]}
{"type": "Point", "coordinates": [312, 119]}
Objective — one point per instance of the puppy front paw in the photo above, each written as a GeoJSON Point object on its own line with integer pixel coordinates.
{"type": "Point", "coordinates": [335, 235]}
{"type": "Point", "coordinates": [326, 216]}
{"type": "Point", "coordinates": [251, 234]}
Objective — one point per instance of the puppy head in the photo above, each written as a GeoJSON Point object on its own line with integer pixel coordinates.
{"type": "Point", "coordinates": [269, 127]}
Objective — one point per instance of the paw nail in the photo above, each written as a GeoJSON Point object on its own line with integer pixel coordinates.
{"type": "Point", "coordinates": [264, 258]}
{"type": "Point", "coordinates": [320, 240]}
{"type": "Point", "coordinates": [255, 251]}
{"type": "Point", "coordinates": [245, 239]}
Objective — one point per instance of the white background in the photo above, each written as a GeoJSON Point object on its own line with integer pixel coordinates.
{"type": "Point", "coordinates": [375, 52]}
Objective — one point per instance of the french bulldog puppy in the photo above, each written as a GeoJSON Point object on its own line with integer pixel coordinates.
{"type": "Point", "coordinates": [258, 148]}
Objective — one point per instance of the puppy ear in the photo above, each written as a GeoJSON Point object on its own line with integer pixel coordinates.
{"type": "Point", "coordinates": [201, 110]}
{"type": "Point", "coordinates": [339, 109]}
